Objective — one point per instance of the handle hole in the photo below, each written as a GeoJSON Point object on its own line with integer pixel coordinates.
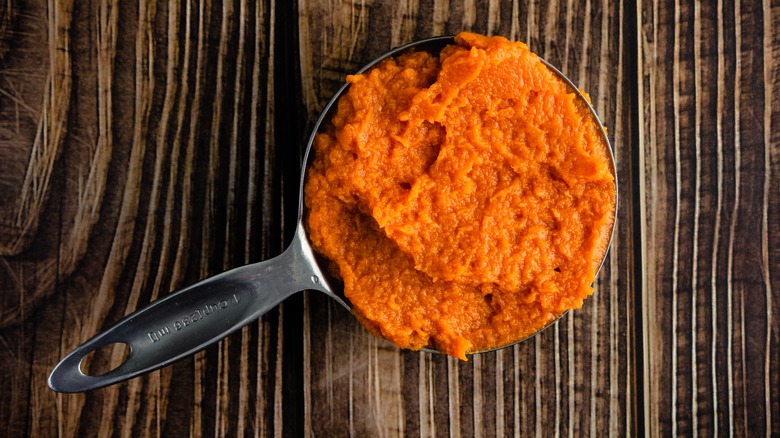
{"type": "Point", "coordinates": [105, 359]}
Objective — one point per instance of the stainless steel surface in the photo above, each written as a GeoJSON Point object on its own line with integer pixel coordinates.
{"type": "Point", "coordinates": [195, 317]}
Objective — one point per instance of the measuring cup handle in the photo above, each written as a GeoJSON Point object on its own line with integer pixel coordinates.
{"type": "Point", "coordinates": [191, 319]}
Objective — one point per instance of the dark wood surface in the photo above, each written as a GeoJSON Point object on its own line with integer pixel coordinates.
{"type": "Point", "coordinates": [145, 145]}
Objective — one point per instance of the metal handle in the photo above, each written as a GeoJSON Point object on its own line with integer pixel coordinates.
{"type": "Point", "coordinates": [193, 318]}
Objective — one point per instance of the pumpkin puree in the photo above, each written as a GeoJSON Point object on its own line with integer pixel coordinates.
{"type": "Point", "coordinates": [466, 200]}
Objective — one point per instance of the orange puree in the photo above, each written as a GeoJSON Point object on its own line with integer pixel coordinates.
{"type": "Point", "coordinates": [466, 201]}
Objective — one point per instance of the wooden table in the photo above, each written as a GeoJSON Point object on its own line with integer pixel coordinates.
{"type": "Point", "coordinates": [146, 145]}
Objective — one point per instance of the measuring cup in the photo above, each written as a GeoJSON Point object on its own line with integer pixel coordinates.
{"type": "Point", "coordinates": [187, 321]}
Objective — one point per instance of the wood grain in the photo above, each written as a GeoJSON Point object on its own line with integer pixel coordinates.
{"type": "Point", "coordinates": [710, 222]}
{"type": "Point", "coordinates": [145, 145]}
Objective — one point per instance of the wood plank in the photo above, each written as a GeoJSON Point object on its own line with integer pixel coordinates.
{"type": "Point", "coordinates": [709, 86]}
{"type": "Point", "coordinates": [578, 376]}
{"type": "Point", "coordinates": [168, 173]}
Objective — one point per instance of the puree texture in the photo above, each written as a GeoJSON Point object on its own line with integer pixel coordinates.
{"type": "Point", "coordinates": [465, 200]}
